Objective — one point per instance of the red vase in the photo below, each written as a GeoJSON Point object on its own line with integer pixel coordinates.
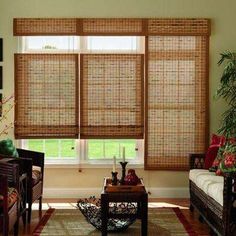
{"type": "Point", "coordinates": [131, 178]}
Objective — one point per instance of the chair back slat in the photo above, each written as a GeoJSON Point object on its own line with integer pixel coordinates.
{"type": "Point", "coordinates": [11, 171]}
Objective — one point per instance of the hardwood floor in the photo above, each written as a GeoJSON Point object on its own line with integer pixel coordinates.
{"type": "Point", "coordinates": [200, 228]}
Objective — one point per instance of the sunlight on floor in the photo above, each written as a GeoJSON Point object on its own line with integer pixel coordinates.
{"type": "Point", "coordinates": [72, 205]}
{"type": "Point", "coordinates": [164, 204]}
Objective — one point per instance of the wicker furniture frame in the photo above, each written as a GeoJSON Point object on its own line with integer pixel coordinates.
{"type": "Point", "coordinates": [9, 217]}
{"type": "Point", "coordinates": [34, 192]}
{"type": "Point", "coordinates": [221, 219]}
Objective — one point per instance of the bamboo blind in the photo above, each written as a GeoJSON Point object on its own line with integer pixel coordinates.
{"type": "Point", "coordinates": [176, 100]}
{"type": "Point", "coordinates": [173, 26]}
{"type": "Point", "coordinates": [111, 103]}
{"type": "Point", "coordinates": [46, 95]}
{"type": "Point", "coordinates": [45, 26]}
{"type": "Point", "coordinates": [113, 26]}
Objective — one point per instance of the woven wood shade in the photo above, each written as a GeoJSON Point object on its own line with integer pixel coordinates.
{"type": "Point", "coordinates": [45, 26]}
{"type": "Point", "coordinates": [176, 100]}
{"type": "Point", "coordinates": [111, 96]}
{"type": "Point", "coordinates": [110, 26]}
{"type": "Point", "coordinates": [119, 26]}
{"type": "Point", "coordinates": [178, 26]}
{"type": "Point", "coordinates": [46, 95]}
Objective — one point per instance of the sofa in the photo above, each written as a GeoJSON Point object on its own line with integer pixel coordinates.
{"type": "Point", "coordinates": [213, 196]}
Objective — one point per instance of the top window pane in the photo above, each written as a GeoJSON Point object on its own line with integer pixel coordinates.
{"type": "Point", "coordinates": [51, 43]}
{"type": "Point", "coordinates": [113, 43]}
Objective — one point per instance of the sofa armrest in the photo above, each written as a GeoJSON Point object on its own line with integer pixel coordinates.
{"type": "Point", "coordinates": [196, 160]}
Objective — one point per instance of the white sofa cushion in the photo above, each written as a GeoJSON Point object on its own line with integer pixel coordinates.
{"type": "Point", "coordinates": [207, 181]}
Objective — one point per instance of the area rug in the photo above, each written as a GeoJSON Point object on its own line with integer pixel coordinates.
{"type": "Point", "coordinates": [161, 222]}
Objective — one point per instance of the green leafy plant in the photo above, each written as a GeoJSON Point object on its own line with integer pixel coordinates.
{"type": "Point", "coordinates": [227, 91]}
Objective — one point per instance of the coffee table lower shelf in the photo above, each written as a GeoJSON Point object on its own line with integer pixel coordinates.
{"type": "Point", "coordinates": [124, 193]}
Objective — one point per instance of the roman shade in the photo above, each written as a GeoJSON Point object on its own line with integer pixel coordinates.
{"type": "Point", "coordinates": [176, 100]}
{"type": "Point", "coordinates": [44, 26]}
{"type": "Point", "coordinates": [78, 26]}
{"type": "Point", "coordinates": [46, 92]}
{"type": "Point", "coordinates": [111, 95]}
{"type": "Point", "coordinates": [178, 26]}
{"type": "Point", "coordinates": [110, 26]}
{"type": "Point", "coordinates": [113, 26]}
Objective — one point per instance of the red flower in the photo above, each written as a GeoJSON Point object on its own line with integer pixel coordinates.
{"type": "Point", "coordinates": [219, 172]}
{"type": "Point", "coordinates": [230, 160]}
{"type": "Point", "coordinates": [215, 163]}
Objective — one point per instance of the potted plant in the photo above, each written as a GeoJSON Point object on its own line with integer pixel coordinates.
{"type": "Point", "coordinates": [227, 91]}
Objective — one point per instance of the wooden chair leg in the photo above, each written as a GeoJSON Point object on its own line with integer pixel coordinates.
{"type": "Point", "coordinates": [212, 232]}
{"type": "Point", "coordinates": [40, 207]}
{"type": "Point", "coordinates": [200, 218]}
{"type": "Point", "coordinates": [5, 227]}
{"type": "Point", "coordinates": [40, 204]}
{"type": "Point", "coordinates": [5, 232]}
{"type": "Point", "coordinates": [191, 208]}
{"type": "Point", "coordinates": [29, 212]}
{"type": "Point", "coordinates": [16, 228]}
{"type": "Point", "coordinates": [24, 218]}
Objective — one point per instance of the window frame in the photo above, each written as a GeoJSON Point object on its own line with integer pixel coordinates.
{"type": "Point", "coordinates": [82, 44]}
{"type": "Point", "coordinates": [81, 158]}
{"type": "Point", "coordinates": [23, 46]}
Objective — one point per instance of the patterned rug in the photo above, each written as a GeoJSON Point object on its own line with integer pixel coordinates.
{"type": "Point", "coordinates": [161, 222]}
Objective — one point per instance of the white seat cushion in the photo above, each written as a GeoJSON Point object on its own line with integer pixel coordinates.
{"type": "Point", "coordinates": [207, 181]}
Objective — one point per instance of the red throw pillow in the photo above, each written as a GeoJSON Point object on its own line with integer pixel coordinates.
{"type": "Point", "coordinates": [211, 155]}
{"type": "Point", "coordinates": [215, 139]}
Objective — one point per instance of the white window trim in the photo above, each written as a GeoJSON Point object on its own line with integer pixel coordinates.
{"type": "Point", "coordinates": [82, 161]}
{"type": "Point", "coordinates": [23, 48]}
{"type": "Point", "coordinates": [140, 40]}
{"type": "Point", "coordinates": [82, 47]}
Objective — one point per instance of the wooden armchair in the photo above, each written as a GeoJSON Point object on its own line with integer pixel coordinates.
{"type": "Point", "coordinates": [33, 162]}
{"type": "Point", "coordinates": [9, 200]}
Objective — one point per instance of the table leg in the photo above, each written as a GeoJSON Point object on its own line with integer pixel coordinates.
{"type": "Point", "coordinates": [104, 211]}
{"type": "Point", "coordinates": [144, 214]}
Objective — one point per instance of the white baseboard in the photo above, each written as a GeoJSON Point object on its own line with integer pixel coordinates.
{"type": "Point", "coordinates": [168, 192]}
{"type": "Point", "coordinates": [87, 192]}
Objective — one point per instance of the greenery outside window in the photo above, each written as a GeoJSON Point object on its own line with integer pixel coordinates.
{"type": "Point", "coordinates": [71, 151]}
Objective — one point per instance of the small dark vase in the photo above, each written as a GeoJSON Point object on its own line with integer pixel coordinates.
{"type": "Point", "coordinates": [131, 178]}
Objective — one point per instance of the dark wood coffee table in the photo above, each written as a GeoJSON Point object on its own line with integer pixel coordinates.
{"type": "Point", "coordinates": [124, 193]}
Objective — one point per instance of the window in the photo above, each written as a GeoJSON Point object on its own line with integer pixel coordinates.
{"type": "Point", "coordinates": [61, 151]}
{"type": "Point", "coordinates": [108, 148]}
{"type": "Point", "coordinates": [101, 44]}
{"type": "Point", "coordinates": [49, 44]}
{"type": "Point", "coordinates": [118, 43]}
{"type": "Point", "coordinates": [71, 151]}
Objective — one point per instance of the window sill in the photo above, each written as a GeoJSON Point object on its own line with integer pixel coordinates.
{"type": "Point", "coordinates": [91, 166]}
